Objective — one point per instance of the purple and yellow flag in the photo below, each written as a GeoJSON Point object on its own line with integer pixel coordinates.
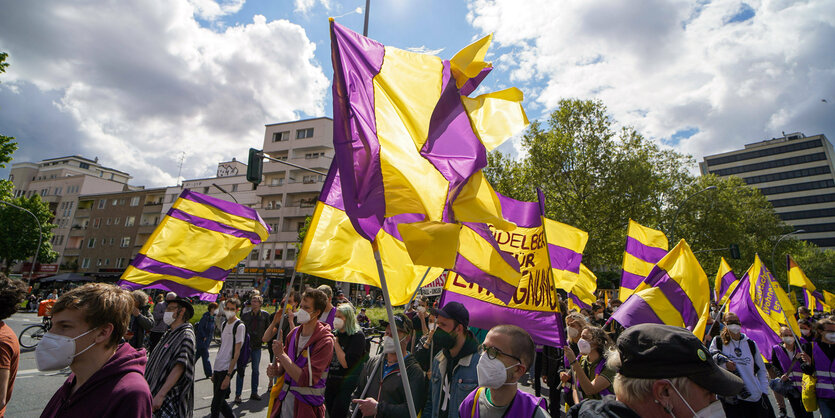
{"type": "Point", "coordinates": [829, 298]}
{"type": "Point", "coordinates": [676, 292]}
{"type": "Point", "coordinates": [408, 139]}
{"type": "Point", "coordinates": [762, 306]}
{"type": "Point", "coordinates": [812, 299]}
{"type": "Point", "coordinates": [198, 242]}
{"type": "Point", "coordinates": [644, 247]}
{"type": "Point", "coordinates": [726, 282]}
{"type": "Point", "coordinates": [581, 295]}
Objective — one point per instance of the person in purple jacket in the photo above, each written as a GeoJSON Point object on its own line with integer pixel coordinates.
{"type": "Point", "coordinates": [507, 354]}
{"type": "Point", "coordinates": [108, 375]}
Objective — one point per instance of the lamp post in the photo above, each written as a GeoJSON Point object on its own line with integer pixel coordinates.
{"type": "Point", "coordinates": [680, 206]}
{"type": "Point", "coordinates": [40, 236]}
{"type": "Point", "coordinates": [774, 249]}
{"type": "Point", "coordinates": [224, 191]}
{"type": "Point", "coordinates": [365, 26]}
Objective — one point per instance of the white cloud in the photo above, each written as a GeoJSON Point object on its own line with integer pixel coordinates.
{"type": "Point", "coordinates": [304, 6]}
{"type": "Point", "coordinates": [424, 50]}
{"type": "Point", "coordinates": [144, 81]}
{"type": "Point", "coordinates": [212, 10]}
{"type": "Point", "coordinates": [669, 66]}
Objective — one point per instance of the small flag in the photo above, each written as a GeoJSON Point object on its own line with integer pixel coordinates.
{"type": "Point", "coordinates": [726, 282]}
{"type": "Point", "coordinates": [644, 247]}
{"type": "Point", "coordinates": [581, 295]}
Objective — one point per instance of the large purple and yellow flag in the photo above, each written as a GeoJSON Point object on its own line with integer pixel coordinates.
{"type": "Point", "coordinates": [762, 306]}
{"type": "Point", "coordinates": [726, 282]}
{"type": "Point", "coordinates": [644, 247]}
{"type": "Point", "coordinates": [581, 295]}
{"type": "Point", "coordinates": [812, 299]}
{"type": "Point", "coordinates": [195, 246]}
{"type": "Point", "coordinates": [409, 140]}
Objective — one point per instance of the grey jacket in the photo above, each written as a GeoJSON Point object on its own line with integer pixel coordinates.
{"type": "Point", "coordinates": [391, 398]}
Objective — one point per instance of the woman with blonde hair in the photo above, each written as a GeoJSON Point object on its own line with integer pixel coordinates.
{"type": "Point", "coordinates": [348, 359]}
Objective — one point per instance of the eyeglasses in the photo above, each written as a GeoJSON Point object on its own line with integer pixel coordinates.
{"type": "Point", "coordinates": [493, 352]}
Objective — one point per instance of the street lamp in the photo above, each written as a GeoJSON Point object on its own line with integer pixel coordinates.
{"type": "Point", "coordinates": [680, 206]}
{"type": "Point", "coordinates": [224, 191]}
{"type": "Point", "coordinates": [40, 235]}
{"type": "Point", "coordinates": [773, 249]}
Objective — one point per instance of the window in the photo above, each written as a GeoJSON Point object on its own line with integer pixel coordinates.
{"type": "Point", "coordinates": [96, 223]}
{"type": "Point", "coordinates": [765, 152]}
{"type": "Point", "coordinates": [304, 133]}
{"type": "Point", "coordinates": [120, 263]}
{"type": "Point", "coordinates": [299, 226]}
{"type": "Point", "coordinates": [108, 221]}
{"type": "Point", "coordinates": [85, 263]}
{"type": "Point", "coordinates": [116, 221]}
{"type": "Point", "coordinates": [102, 203]}
{"type": "Point", "coordinates": [205, 190]}
{"type": "Point", "coordinates": [313, 155]}
{"type": "Point", "coordinates": [797, 187]}
{"type": "Point", "coordinates": [254, 255]}
{"type": "Point", "coordinates": [111, 240]}
{"type": "Point", "coordinates": [129, 221]}
{"type": "Point", "coordinates": [44, 192]}
{"type": "Point", "coordinates": [806, 214]}
{"type": "Point", "coordinates": [804, 172]}
{"type": "Point", "coordinates": [125, 242]}
{"type": "Point", "coordinates": [91, 243]}
{"type": "Point", "coordinates": [805, 200]}
{"type": "Point", "coordinates": [313, 178]}
{"type": "Point", "coordinates": [291, 254]}
{"type": "Point", "coordinates": [173, 198]}
{"type": "Point", "coordinates": [281, 136]}
{"type": "Point", "coordinates": [234, 187]}
{"type": "Point", "coordinates": [134, 201]}
{"type": "Point", "coordinates": [820, 156]}
{"type": "Point", "coordinates": [307, 203]}
{"type": "Point", "coordinates": [84, 165]}
{"type": "Point", "coordinates": [106, 261]}
{"type": "Point", "coordinates": [267, 254]}
{"type": "Point", "coordinates": [58, 191]}
{"type": "Point", "coordinates": [279, 254]}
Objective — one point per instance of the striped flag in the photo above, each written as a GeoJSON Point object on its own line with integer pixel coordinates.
{"type": "Point", "coordinates": [726, 282]}
{"type": "Point", "coordinates": [581, 295]}
{"type": "Point", "coordinates": [195, 246]}
{"type": "Point", "coordinates": [644, 247]}
{"type": "Point", "coordinates": [812, 299]}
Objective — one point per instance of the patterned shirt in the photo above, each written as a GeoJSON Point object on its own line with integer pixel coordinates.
{"type": "Point", "coordinates": [177, 346]}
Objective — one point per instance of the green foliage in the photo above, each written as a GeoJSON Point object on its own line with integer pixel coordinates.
{"type": "Point", "coordinates": [7, 146]}
{"type": "Point", "coordinates": [303, 233]}
{"type": "Point", "coordinates": [19, 232]}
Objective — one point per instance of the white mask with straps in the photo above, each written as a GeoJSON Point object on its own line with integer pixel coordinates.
{"type": "Point", "coordinates": [713, 410]}
{"type": "Point", "coordinates": [56, 352]}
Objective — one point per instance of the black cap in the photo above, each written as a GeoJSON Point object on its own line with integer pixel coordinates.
{"type": "Point", "coordinates": [455, 311]}
{"type": "Point", "coordinates": [403, 323]}
{"type": "Point", "coordinates": [654, 351]}
{"type": "Point", "coordinates": [186, 304]}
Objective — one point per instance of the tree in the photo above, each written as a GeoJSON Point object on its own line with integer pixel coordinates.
{"type": "Point", "coordinates": [19, 232]}
{"type": "Point", "coordinates": [7, 144]}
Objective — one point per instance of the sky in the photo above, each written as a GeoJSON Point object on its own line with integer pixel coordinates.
{"type": "Point", "coordinates": [141, 83]}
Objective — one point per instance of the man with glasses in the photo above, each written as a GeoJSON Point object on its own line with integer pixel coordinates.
{"type": "Point", "coordinates": [506, 355]}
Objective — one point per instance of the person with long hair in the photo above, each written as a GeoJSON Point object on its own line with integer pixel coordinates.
{"type": "Point", "coordinates": [348, 358]}
{"type": "Point", "coordinates": [821, 364]}
{"type": "Point", "coordinates": [593, 378]}
{"type": "Point", "coordinates": [786, 359]}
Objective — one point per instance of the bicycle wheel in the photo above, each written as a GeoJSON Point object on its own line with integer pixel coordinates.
{"type": "Point", "coordinates": [31, 336]}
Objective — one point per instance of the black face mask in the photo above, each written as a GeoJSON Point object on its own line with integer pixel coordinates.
{"type": "Point", "coordinates": [443, 339]}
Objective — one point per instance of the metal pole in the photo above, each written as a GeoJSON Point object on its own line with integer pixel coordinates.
{"type": "Point", "coordinates": [281, 321]}
{"type": "Point", "coordinates": [365, 26]}
{"type": "Point", "coordinates": [672, 231]}
{"type": "Point", "coordinates": [397, 346]}
{"type": "Point", "coordinates": [773, 249]}
{"type": "Point", "coordinates": [224, 191]}
{"type": "Point", "coordinates": [40, 237]}
{"type": "Point", "coordinates": [418, 288]}
{"type": "Point", "coordinates": [367, 385]}
{"type": "Point", "coordinates": [276, 160]}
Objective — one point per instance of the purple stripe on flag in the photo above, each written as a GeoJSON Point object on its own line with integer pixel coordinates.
{"type": "Point", "coordinates": [630, 280]}
{"type": "Point", "coordinates": [805, 295]}
{"type": "Point", "coordinates": [220, 204]}
{"type": "Point", "coordinates": [484, 232]}
{"type": "Point", "coordinates": [753, 324]}
{"type": "Point", "coordinates": [644, 252]}
{"type": "Point", "coordinates": [523, 214]}
{"type": "Point", "coordinates": [635, 311]}
{"type": "Point", "coordinates": [579, 302]}
{"type": "Point", "coordinates": [167, 285]}
{"type": "Point", "coordinates": [564, 259]}
{"type": "Point", "coordinates": [543, 327]}
{"type": "Point", "coordinates": [331, 193]}
{"type": "Point", "coordinates": [500, 289]}
{"type": "Point", "coordinates": [356, 60]}
{"type": "Point", "coordinates": [675, 294]}
{"type": "Point", "coordinates": [143, 262]}
{"type": "Point", "coordinates": [726, 282]}
{"type": "Point", "coordinates": [390, 224]}
{"type": "Point", "coordinates": [213, 225]}
{"type": "Point", "coordinates": [472, 84]}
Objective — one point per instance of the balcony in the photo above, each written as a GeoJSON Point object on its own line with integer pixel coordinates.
{"type": "Point", "coordinates": [152, 207]}
{"type": "Point", "coordinates": [300, 211]}
{"type": "Point", "coordinates": [71, 252]}
{"type": "Point", "coordinates": [146, 229]}
{"type": "Point", "coordinates": [284, 236]}
{"type": "Point", "coordinates": [78, 231]}
{"type": "Point", "coordinates": [82, 213]}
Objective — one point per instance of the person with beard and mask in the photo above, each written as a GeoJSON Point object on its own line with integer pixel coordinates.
{"type": "Point", "coordinates": [348, 358]}
{"type": "Point", "coordinates": [740, 355]}
{"type": "Point", "coordinates": [821, 364]}
{"type": "Point", "coordinates": [592, 377]}
{"type": "Point", "coordinates": [108, 375]}
{"type": "Point", "coordinates": [385, 396]}
{"type": "Point", "coordinates": [663, 371]}
{"type": "Point", "coordinates": [304, 359]}
{"type": "Point", "coordinates": [454, 369]}
{"type": "Point", "coordinates": [507, 354]}
{"type": "Point", "coordinates": [786, 361]}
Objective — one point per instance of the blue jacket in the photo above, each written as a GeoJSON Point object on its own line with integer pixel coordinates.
{"type": "Point", "coordinates": [205, 330]}
{"type": "Point", "coordinates": [464, 379]}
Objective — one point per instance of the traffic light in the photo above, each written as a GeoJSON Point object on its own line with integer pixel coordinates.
{"type": "Point", "coordinates": [734, 251]}
{"type": "Point", "coordinates": [254, 167]}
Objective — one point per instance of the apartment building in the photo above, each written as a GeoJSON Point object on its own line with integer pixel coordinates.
{"type": "Point", "coordinates": [59, 182]}
{"type": "Point", "coordinates": [795, 173]}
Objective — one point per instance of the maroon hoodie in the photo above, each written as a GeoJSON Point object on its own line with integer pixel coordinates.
{"type": "Point", "coordinates": [118, 389]}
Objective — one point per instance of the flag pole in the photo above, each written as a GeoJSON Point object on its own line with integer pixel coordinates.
{"type": "Point", "coordinates": [404, 378]}
{"type": "Point", "coordinates": [417, 289]}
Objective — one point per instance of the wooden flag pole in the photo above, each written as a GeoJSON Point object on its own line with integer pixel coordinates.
{"type": "Point", "coordinates": [397, 346]}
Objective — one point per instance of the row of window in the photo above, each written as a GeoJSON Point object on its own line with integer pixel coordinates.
{"type": "Point", "coordinates": [104, 262]}
{"type": "Point", "coordinates": [300, 134]}
{"type": "Point", "coordinates": [104, 242]}
{"type": "Point", "coordinates": [277, 255]}
{"type": "Point", "coordinates": [807, 214]}
{"type": "Point", "coordinates": [798, 187]}
{"type": "Point", "coordinates": [57, 239]}
{"type": "Point", "coordinates": [134, 201]}
{"type": "Point", "coordinates": [824, 227]}
{"type": "Point", "coordinates": [786, 175]}
{"type": "Point", "coordinates": [823, 242]}
{"type": "Point", "coordinates": [797, 146]}
{"type": "Point", "coordinates": [819, 156]}
{"type": "Point", "coordinates": [803, 200]}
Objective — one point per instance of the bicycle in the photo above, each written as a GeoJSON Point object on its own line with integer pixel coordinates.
{"type": "Point", "coordinates": [32, 335]}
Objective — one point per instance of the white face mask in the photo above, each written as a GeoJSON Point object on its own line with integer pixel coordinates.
{"type": "Point", "coordinates": [734, 328]}
{"type": "Point", "coordinates": [168, 318]}
{"type": "Point", "coordinates": [338, 323]}
{"type": "Point", "coordinates": [492, 373]}
{"type": "Point", "coordinates": [229, 314]}
{"type": "Point", "coordinates": [615, 308]}
{"type": "Point", "coordinates": [302, 316]}
{"type": "Point", "coordinates": [56, 352]}
{"type": "Point", "coordinates": [788, 340]}
{"type": "Point", "coordinates": [573, 333]}
{"type": "Point", "coordinates": [421, 309]}
{"type": "Point", "coordinates": [830, 336]}
{"type": "Point", "coordinates": [713, 410]}
{"type": "Point", "coordinates": [431, 326]}
{"type": "Point", "coordinates": [388, 344]}
{"type": "Point", "coordinates": [584, 346]}
{"type": "Point", "coordinates": [805, 332]}
{"type": "Point", "coordinates": [599, 315]}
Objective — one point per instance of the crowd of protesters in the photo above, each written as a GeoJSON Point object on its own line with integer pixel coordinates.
{"type": "Point", "coordinates": [128, 359]}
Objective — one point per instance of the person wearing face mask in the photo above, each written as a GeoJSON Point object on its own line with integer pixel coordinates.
{"type": "Point", "coordinates": [257, 321]}
{"type": "Point", "coordinates": [329, 313]}
{"type": "Point", "coordinates": [385, 396]}
{"type": "Point", "coordinates": [807, 335]}
{"type": "Point", "coordinates": [507, 354]}
{"type": "Point", "coordinates": [593, 379]}
{"type": "Point", "coordinates": [204, 332]}
{"type": "Point", "coordinates": [740, 355]}
{"type": "Point", "coordinates": [304, 359]}
{"type": "Point", "coordinates": [107, 378]}
{"type": "Point", "coordinates": [348, 358]}
{"type": "Point", "coordinates": [663, 371]}
{"type": "Point", "coordinates": [821, 364]}
{"type": "Point", "coordinates": [420, 320]}
{"type": "Point", "coordinates": [140, 320]}
{"type": "Point", "coordinates": [786, 360]}
{"type": "Point", "coordinates": [454, 369]}
{"type": "Point", "coordinates": [232, 337]}
{"type": "Point", "coordinates": [159, 326]}
{"type": "Point", "coordinates": [170, 371]}
{"type": "Point", "coordinates": [555, 364]}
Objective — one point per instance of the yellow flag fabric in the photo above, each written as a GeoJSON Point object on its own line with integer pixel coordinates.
{"type": "Point", "coordinates": [565, 247]}
{"type": "Point", "coordinates": [797, 277]}
{"type": "Point", "coordinates": [581, 295]}
{"type": "Point", "coordinates": [644, 247]}
{"type": "Point", "coordinates": [829, 298]}
{"type": "Point", "coordinates": [726, 282]}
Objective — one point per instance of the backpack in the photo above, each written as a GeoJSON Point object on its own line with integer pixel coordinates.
{"type": "Point", "coordinates": [246, 351]}
{"type": "Point", "coordinates": [752, 346]}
